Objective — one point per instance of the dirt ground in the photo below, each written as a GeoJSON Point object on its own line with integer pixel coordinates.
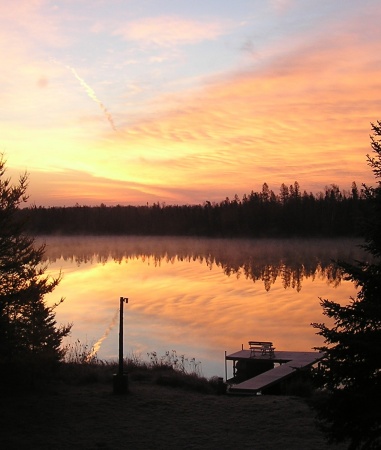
{"type": "Point", "coordinates": [155, 417]}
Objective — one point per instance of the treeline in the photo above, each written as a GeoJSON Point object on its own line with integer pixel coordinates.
{"type": "Point", "coordinates": [290, 212]}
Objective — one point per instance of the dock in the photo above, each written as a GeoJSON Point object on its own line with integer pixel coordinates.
{"type": "Point", "coordinates": [261, 372]}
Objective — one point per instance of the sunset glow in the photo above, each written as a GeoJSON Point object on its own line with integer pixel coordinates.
{"type": "Point", "coordinates": [121, 102]}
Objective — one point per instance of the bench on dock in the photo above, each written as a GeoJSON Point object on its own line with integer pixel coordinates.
{"type": "Point", "coordinates": [264, 347]}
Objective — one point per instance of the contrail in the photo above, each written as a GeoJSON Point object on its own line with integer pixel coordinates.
{"type": "Point", "coordinates": [98, 344]}
{"type": "Point", "coordinates": [92, 95]}
{"type": "Point", "coordinates": [90, 92]}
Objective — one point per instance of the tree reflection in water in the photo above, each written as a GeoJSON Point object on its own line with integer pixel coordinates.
{"type": "Point", "coordinates": [266, 260]}
{"type": "Point", "coordinates": [198, 296]}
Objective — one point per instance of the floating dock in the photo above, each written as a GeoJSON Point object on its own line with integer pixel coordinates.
{"type": "Point", "coordinates": [257, 373]}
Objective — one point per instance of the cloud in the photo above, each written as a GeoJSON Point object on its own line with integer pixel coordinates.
{"type": "Point", "coordinates": [171, 30]}
{"type": "Point", "coordinates": [281, 5]}
{"type": "Point", "coordinates": [28, 32]}
{"type": "Point", "coordinates": [68, 187]}
{"type": "Point", "coordinates": [301, 116]}
{"type": "Point", "coordinates": [29, 21]}
{"type": "Point", "coordinates": [299, 110]}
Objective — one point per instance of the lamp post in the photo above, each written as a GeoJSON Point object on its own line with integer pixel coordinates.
{"type": "Point", "coordinates": [120, 380]}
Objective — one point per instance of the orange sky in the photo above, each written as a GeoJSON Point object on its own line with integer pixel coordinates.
{"type": "Point", "coordinates": [116, 102]}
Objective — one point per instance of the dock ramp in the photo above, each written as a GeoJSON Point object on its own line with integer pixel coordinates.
{"type": "Point", "coordinates": [286, 364]}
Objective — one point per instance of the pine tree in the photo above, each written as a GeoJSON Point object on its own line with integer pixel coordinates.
{"type": "Point", "coordinates": [351, 371]}
{"type": "Point", "coordinates": [28, 330]}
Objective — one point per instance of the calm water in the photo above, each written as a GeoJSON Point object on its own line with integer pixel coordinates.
{"type": "Point", "coordinates": [200, 297]}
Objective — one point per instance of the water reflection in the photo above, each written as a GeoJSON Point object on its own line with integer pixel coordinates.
{"type": "Point", "coordinates": [290, 260]}
{"type": "Point", "coordinates": [197, 296]}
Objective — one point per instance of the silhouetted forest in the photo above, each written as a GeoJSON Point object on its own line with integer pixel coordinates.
{"type": "Point", "coordinates": [259, 214]}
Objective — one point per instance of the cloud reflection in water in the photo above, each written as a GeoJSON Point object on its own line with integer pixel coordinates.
{"type": "Point", "coordinates": [197, 296]}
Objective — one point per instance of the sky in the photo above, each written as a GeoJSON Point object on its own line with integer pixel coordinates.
{"type": "Point", "coordinates": [178, 102]}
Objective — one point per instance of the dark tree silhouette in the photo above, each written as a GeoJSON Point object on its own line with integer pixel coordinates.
{"type": "Point", "coordinates": [292, 212]}
{"type": "Point", "coordinates": [28, 333]}
{"type": "Point", "coordinates": [352, 368]}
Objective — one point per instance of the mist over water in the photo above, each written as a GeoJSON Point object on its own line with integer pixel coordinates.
{"type": "Point", "coordinates": [199, 297]}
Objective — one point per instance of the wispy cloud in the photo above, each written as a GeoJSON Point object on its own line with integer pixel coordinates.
{"type": "Point", "coordinates": [259, 123]}
{"type": "Point", "coordinates": [32, 21]}
{"type": "Point", "coordinates": [281, 5]}
{"type": "Point", "coordinates": [297, 106]}
{"type": "Point", "coordinates": [171, 30]}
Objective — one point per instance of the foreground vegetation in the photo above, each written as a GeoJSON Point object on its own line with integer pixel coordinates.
{"type": "Point", "coordinates": [351, 371]}
{"type": "Point", "coordinates": [30, 339]}
{"type": "Point", "coordinates": [81, 366]}
{"type": "Point", "coordinates": [168, 405]}
{"type": "Point", "coordinates": [152, 416]}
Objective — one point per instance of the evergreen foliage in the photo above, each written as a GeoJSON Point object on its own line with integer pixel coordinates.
{"type": "Point", "coordinates": [352, 368]}
{"type": "Point", "coordinates": [260, 214]}
{"type": "Point", "coordinates": [29, 336]}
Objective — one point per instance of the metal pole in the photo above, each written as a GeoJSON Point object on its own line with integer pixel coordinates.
{"type": "Point", "coordinates": [122, 300]}
{"type": "Point", "coordinates": [226, 369]}
{"type": "Point", "coordinates": [120, 380]}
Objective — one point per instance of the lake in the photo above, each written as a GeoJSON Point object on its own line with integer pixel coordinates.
{"type": "Point", "coordinates": [198, 297]}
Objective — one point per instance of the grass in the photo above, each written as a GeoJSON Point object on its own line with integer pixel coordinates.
{"type": "Point", "coordinates": [166, 408]}
{"type": "Point", "coordinates": [81, 366]}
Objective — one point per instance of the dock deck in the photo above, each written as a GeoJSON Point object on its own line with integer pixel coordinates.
{"type": "Point", "coordinates": [289, 363]}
